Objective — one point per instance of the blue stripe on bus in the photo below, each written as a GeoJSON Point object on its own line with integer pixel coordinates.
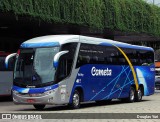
{"type": "Point", "coordinates": [42, 44]}
{"type": "Point", "coordinates": [34, 90]}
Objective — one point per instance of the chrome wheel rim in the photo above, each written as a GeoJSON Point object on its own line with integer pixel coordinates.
{"type": "Point", "coordinates": [139, 94]}
{"type": "Point", "coordinates": [76, 99]}
{"type": "Point", "coordinates": [132, 95]}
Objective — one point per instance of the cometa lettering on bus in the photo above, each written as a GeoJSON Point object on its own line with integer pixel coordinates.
{"type": "Point", "coordinates": [101, 72]}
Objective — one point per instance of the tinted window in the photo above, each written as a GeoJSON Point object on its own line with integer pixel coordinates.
{"type": "Point", "coordinates": [147, 57]}
{"type": "Point", "coordinates": [96, 54]}
{"type": "Point", "coordinates": [66, 61]}
{"type": "Point", "coordinates": [140, 57]}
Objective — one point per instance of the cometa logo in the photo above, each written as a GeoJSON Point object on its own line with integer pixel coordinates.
{"type": "Point", "coordinates": [101, 72]}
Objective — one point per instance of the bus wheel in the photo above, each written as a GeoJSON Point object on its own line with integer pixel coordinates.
{"type": "Point", "coordinates": [75, 100]}
{"type": "Point", "coordinates": [138, 95]}
{"type": "Point", "coordinates": [39, 107]}
{"type": "Point", "coordinates": [131, 97]}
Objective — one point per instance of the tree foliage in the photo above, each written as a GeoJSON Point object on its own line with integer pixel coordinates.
{"type": "Point", "coordinates": [123, 15]}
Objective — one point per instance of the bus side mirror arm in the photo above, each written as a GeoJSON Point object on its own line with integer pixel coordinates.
{"type": "Point", "coordinates": [8, 57]}
{"type": "Point", "coordinates": [56, 58]}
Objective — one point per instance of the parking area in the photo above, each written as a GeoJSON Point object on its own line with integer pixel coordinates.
{"type": "Point", "coordinates": [149, 105]}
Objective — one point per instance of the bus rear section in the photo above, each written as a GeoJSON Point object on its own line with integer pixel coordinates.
{"type": "Point", "coordinates": [105, 74]}
{"type": "Point", "coordinates": [6, 74]}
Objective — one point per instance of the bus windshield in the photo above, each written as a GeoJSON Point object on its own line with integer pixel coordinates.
{"type": "Point", "coordinates": [34, 67]}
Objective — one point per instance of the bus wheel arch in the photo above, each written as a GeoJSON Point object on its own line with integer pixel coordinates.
{"type": "Point", "coordinates": [80, 90]}
{"type": "Point", "coordinates": [77, 97]}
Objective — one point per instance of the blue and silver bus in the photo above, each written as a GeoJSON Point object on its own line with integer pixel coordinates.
{"type": "Point", "coordinates": [70, 69]}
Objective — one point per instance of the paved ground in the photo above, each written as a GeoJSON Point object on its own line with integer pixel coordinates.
{"type": "Point", "coordinates": [150, 105]}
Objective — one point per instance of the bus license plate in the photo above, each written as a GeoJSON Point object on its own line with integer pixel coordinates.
{"type": "Point", "coordinates": [31, 101]}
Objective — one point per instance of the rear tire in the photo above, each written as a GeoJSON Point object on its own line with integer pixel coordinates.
{"type": "Point", "coordinates": [131, 97]}
{"type": "Point", "coordinates": [39, 107]}
{"type": "Point", "coordinates": [75, 100]}
{"type": "Point", "coordinates": [138, 95]}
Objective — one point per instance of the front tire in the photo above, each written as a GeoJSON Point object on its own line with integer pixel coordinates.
{"type": "Point", "coordinates": [39, 107]}
{"type": "Point", "coordinates": [75, 100]}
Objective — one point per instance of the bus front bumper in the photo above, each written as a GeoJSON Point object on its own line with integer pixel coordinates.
{"type": "Point", "coordinates": [49, 99]}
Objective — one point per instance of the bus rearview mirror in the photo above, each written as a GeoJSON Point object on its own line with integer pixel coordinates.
{"type": "Point", "coordinates": [57, 56]}
{"type": "Point", "coordinates": [7, 59]}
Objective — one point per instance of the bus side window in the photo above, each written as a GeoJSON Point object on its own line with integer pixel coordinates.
{"type": "Point", "coordinates": [122, 61]}
{"type": "Point", "coordinates": [62, 68]}
{"type": "Point", "coordinates": [82, 60]}
{"type": "Point", "coordinates": [66, 61]}
{"type": "Point", "coordinates": [94, 59]}
{"type": "Point", "coordinates": [108, 60]}
{"type": "Point", "coordinates": [134, 61]}
{"type": "Point", "coordinates": [149, 61]}
{"type": "Point", "coordinates": [146, 58]}
{"type": "Point", "coordinates": [114, 60]}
